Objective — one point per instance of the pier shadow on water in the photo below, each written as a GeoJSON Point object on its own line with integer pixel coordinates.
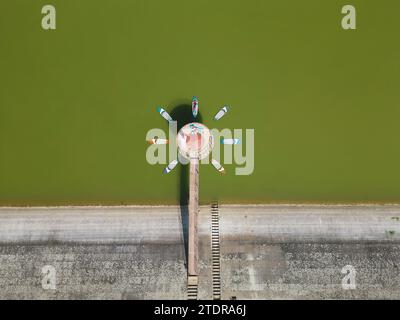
{"type": "Point", "coordinates": [182, 113]}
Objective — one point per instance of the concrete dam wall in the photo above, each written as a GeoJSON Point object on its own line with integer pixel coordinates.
{"type": "Point", "coordinates": [266, 252]}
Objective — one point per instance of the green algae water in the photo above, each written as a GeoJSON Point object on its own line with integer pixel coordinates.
{"type": "Point", "coordinates": [76, 102]}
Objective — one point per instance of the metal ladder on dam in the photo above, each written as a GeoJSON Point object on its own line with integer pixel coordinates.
{"type": "Point", "coordinates": [215, 252]}
{"type": "Point", "coordinates": [192, 288]}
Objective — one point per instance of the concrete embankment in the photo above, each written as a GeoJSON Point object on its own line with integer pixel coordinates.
{"type": "Point", "coordinates": [267, 252]}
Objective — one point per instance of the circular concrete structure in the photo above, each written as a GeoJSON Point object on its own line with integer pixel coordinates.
{"type": "Point", "coordinates": [195, 141]}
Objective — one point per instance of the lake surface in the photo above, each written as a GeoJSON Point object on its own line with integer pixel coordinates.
{"type": "Point", "coordinates": [76, 102]}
